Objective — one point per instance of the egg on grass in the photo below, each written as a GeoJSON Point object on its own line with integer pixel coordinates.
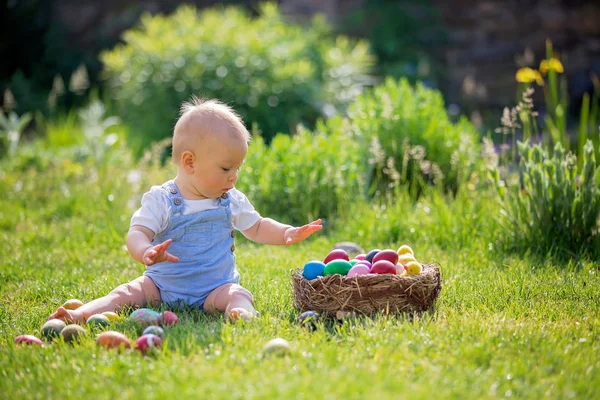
{"type": "Point", "coordinates": [72, 304]}
{"type": "Point", "coordinates": [72, 333]}
{"type": "Point", "coordinates": [276, 347]}
{"type": "Point", "coordinates": [98, 321]}
{"type": "Point", "coordinates": [28, 340]}
{"type": "Point", "coordinates": [52, 328]}
{"type": "Point", "coordinates": [113, 340]}
{"type": "Point", "coordinates": [144, 317]}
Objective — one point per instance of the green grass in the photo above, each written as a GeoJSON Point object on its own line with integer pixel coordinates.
{"type": "Point", "coordinates": [505, 325]}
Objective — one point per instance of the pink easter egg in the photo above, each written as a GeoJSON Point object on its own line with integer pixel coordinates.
{"type": "Point", "coordinates": [168, 318]}
{"type": "Point", "coordinates": [360, 257]}
{"type": "Point", "coordinates": [28, 340]}
{"type": "Point", "coordinates": [364, 262]}
{"type": "Point", "coordinates": [358, 269]}
{"type": "Point", "coordinates": [147, 342]}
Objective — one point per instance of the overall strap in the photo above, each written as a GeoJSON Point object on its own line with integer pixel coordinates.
{"type": "Point", "coordinates": [224, 200]}
{"type": "Point", "coordinates": [174, 196]}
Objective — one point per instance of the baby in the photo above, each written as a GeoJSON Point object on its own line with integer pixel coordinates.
{"type": "Point", "coordinates": [184, 231]}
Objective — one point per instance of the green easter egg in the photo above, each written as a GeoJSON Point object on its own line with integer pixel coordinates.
{"type": "Point", "coordinates": [337, 267]}
{"type": "Point", "coordinates": [72, 332]}
{"type": "Point", "coordinates": [98, 320]}
{"type": "Point", "coordinates": [52, 328]}
{"type": "Point", "coordinates": [352, 262]}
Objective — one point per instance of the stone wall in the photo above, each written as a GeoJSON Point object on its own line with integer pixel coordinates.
{"type": "Point", "coordinates": [487, 40]}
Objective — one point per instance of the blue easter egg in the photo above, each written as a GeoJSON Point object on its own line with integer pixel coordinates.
{"type": "Point", "coordinates": [313, 269]}
{"type": "Point", "coordinates": [155, 330]}
{"type": "Point", "coordinates": [309, 319]}
{"type": "Point", "coordinates": [371, 254]}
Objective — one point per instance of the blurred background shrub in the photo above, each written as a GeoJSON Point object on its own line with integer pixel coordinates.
{"type": "Point", "coordinates": [411, 139]}
{"type": "Point", "coordinates": [551, 210]}
{"type": "Point", "coordinates": [307, 176]}
{"type": "Point", "coordinates": [407, 38]}
{"type": "Point", "coordinates": [274, 74]}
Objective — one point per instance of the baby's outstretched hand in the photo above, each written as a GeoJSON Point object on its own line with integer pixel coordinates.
{"type": "Point", "coordinates": [295, 235]}
{"type": "Point", "coordinates": [158, 253]}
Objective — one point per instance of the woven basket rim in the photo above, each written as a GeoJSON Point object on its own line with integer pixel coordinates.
{"type": "Point", "coordinates": [367, 294]}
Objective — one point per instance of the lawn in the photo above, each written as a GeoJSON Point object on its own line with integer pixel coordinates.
{"type": "Point", "coordinates": [505, 325]}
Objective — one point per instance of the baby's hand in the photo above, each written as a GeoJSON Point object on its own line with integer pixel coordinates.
{"type": "Point", "coordinates": [295, 235]}
{"type": "Point", "coordinates": [158, 253]}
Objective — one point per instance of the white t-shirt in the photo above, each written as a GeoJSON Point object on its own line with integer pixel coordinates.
{"type": "Point", "coordinates": [156, 209]}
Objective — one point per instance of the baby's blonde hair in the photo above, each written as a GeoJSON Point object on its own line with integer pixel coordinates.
{"type": "Point", "coordinates": [203, 115]}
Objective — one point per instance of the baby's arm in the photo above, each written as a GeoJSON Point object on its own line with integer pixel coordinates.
{"type": "Point", "coordinates": [269, 231]}
{"type": "Point", "coordinates": [139, 244]}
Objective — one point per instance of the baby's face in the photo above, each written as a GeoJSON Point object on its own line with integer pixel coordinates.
{"type": "Point", "coordinates": [218, 160]}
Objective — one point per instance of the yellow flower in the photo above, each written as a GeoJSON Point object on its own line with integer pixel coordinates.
{"type": "Point", "coordinates": [553, 64]}
{"type": "Point", "coordinates": [528, 75]}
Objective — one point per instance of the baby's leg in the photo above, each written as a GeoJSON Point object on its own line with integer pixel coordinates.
{"type": "Point", "coordinates": [232, 299]}
{"type": "Point", "coordinates": [137, 293]}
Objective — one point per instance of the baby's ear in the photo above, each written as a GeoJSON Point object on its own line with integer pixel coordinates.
{"type": "Point", "coordinates": [187, 161]}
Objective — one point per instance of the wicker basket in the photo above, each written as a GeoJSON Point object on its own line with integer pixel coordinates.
{"type": "Point", "coordinates": [367, 294]}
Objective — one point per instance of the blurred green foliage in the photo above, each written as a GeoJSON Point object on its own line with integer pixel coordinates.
{"type": "Point", "coordinates": [406, 36]}
{"type": "Point", "coordinates": [273, 73]}
{"type": "Point", "coordinates": [35, 51]}
{"type": "Point", "coordinates": [549, 208]}
{"type": "Point", "coordinates": [395, 136]}
{"type": "Point", "coordinates": [411, 139]}
{"type": "Point", "coordinates": [306, 176]}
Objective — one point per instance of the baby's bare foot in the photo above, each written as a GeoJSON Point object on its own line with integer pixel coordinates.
{"type": "Point", "coordinates": [69, 316]}
{"type": "Point", "coordinates": [237, 313]}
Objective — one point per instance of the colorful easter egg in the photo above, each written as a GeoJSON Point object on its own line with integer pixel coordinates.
{"type": "Point", "coordinates": [414, 268]}
{"type": "Point", "coordinates": [360, 257]}
{"type": "Point", "coordinates": [336, 254]}
{"type": "Point", "coordinates": [406, 258]}
{"type": "Point", "coordinates": [72, 304]}
{"type": "Point", "coordinates": [276, 347]}
{"type": "Point", "coordinates": [337, 267]}
{"type": "Point", "coordinates": [28, 340]}
{"type": "Point", "coordinates": [353, 261]}
{"type": "Point", "coordinates": [309, 319]}
{"type": "Point", "coordinates": [98, 320]}
{"type": "Point", "coordinates": [387, 254]}
{"type": "Point", "coordinates": [359, 269]}
{"type": "Point", "coordinates": [383, 267]}
{"type": "Point", "coordinates": [313, 269]}
{"type": "Point", "coordinates": [112, 316]}
{"type": "Point", "coordinates": [113, 340]}
{"type": "Point", "coordinates": [168, 318]}
{"type": "Point", "coordinates": [400, 269]}
{"type": "Point", "coordinates": [52, 328]}
{"type": "Point", "coordinates": [371, 254]}
{"type": "Point", "coordinates": [145, 317]}
{"type": "Point", "coordinates": [365, 262]}
{"type": "Point", "coordinates": [148, 342]}
{"type": "Point", "coordinates": [72, 332]}
{"type": "Point", "coordinates": [405, 249]}
{"type": "Point", "coordinates": [155, 330]}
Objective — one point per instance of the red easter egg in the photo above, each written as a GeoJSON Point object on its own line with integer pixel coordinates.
{"type": "Point", "coordinates": [337, 254]}
{"type": "Point", "coordinates": [360, 257]}
{"type": "Point", "coordinates": [168, 318]}
{"type": "Point", "coordinates": [28, 339]}
{"type": "Point", "coordinates": [387, 254]}
{"type": "Point", "coordinates": [147, 342]}
{"type": "Point", "coordinates": [383, 267]}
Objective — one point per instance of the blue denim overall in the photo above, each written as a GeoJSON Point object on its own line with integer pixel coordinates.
{"type": "Point", "coordinates": [203, 241]}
